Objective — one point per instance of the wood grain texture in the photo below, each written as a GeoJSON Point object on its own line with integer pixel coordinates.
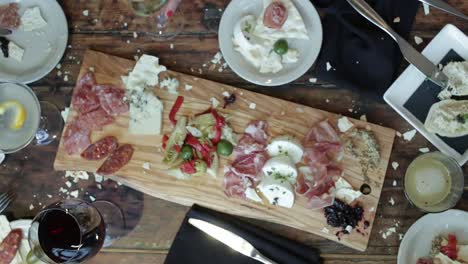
{"type": "Point", "coordinates": [283, 117]}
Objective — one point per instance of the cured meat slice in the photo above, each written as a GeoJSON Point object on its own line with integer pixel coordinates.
{"type": "Point", "coordinates": [117, 160]}
{"type": "Point", "coordinates": [9, 17]}
{"type": "Point", "coordinates": [258, 131]}
{"type": "Point", "coordinates": [76, 138]}
{"type": "Point", "coordinates": [323, 132]}
{"type": "Point", "coordinates": [235, 186]}
{"type": "Point", "coordinates": [10, 246]}
{"type": "Point", "coordinates": [247, 145]}
{"type": "Point", "coordinates": [249, 165]}
{"type": "Point", "coordinates": [275, 15]}
{"type": "Point", "coordinates": [94, 120]}
{"type": "Point", "coordinates": [111, 99]}
{"type": "Point", "coordinates": [101, 149]}
{"type": "Point", "coordinates": [84, 99]}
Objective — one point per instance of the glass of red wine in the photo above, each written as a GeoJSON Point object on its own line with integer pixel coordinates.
{"type": "Point", "coordinates": [69, 231]}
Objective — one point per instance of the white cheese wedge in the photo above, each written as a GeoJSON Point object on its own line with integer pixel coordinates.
{"type": "Point", "coordinates": [251, 194]}
{"type": "Point", "coordinates": [292, 56]}
{"type": "Point", "coordinates": [344, 124]}
{"type": "Point", "coordinates": [286, 145]}
{"type": "Point", "coordinates": [281, 168]}
{"type": "Point", "coordinates": [32, 19]}
{"type": "Point", "coordinates": [145, 114]}
{"type": "Point", "coordinates": [345, 192]}
{"type": "Point", "coordinates": [145, 73]}
{"type": "Point", "coordinates": [293, 27]}
{"type": "Point", "coordinates": [277, 191]}
{"type": "Point", "coordinates": [15, 51]}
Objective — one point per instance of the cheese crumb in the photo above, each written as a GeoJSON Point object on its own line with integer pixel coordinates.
{"type": "Point", "coordinates": [65, 78]}
{"type": "Point", "coordinates": [188, 87]}
{"type": "Point", "coordinates": [349, 229]}
{"type": "Point", "coordinates": [92, 198]}
{"type": "Point", "coordinates": [68, 184]}
{"type": "Point", "coordinates": [135, 35]}
{"type": "Point", "coordinates": [313, 80]}
{"type": "Point", "coordinates": [398, 134]}
{"type": "Point", "coordinates": [171, 46]}
{"type": "Point", "coordinates": [98, 177]}
{"type": "Point", "coordinates": [394, 183]}
{"type": "Point", "coordinates": [146, 166]}
{"type": "Point", "coordinates": [426, 9]}
{"type": "Point", "coordinates": [396, 20]}
{"type": "Point", "coordinates": [400, 236]}
{"type": "Point", "coordinates": [74, 194]}
{"type": "Point", "coordinates": [31, 207]}
{"type": "Point", "coordinates": [418, 40]}
{"type": "Point", "coordinates": [91, 69]}
{"type": "Point", "coordinates": [217, 58]}
{"type": "Point", "coordinates": [49, 196]}
{"type": "Point", "coordinates": [408, 136]}
{"type": "Point", "coordinates": [363, 118]}
{"type": "Point", "coordinates": [253, 106]}
{"type": "Point", "coordinates": [389, 231]}
{"type": "Point", "coordinates": [325, 230]}
{"type": "Point", "coordinates": [226, 94]}
{"type": "Point", "coordinates": [424, 150]}
{"type": "Point", "coordinates": [172, 84]}
{"type": "Point", "coordinates": [86, 12]}
{"type": "Point", "coordinates": [391, 201]}
{"type": "Point", "coordinates": [77, 175]}
{"type": "Point", "coordinates": [65, 113]}
{"type": "Point", "coordinates": [395, 165]}
{"type": "Point", "coordinates": [329, 67]}
{"type": "Point", "coordinates": [214, 102]}
{"type": "Point", "coordinates": [344, 124]}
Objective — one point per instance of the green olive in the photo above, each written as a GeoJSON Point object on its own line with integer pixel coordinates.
{"type": "Point", "coordinates": [224, 148]}
{"type": "Point", "coordinates": [186, 152]}
{"type": "Point", "coordinates": [281, 47]}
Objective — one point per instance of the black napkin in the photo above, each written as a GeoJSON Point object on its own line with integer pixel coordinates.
{"type": "Point", "coordinates": [193, 246]}
{"type": "Point", "coordinates": [361, 55]}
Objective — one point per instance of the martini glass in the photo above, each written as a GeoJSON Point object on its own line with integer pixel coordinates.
{"type": "Point", "coordinates": [166, 20]}
{"type": "Point", "coordinates": [42, 129]}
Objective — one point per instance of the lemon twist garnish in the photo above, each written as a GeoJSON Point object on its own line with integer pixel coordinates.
{"type": "Point", "coordinates": [20, 113]}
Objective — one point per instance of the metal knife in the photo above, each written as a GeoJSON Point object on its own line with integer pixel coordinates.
{"type": "Point", "coordinates": [439, 4]}
{"type": "Point", "coordinates": [231, 240]}
{"type": "Point", "coordinates": [424, 65]}
{"type": "Point", "coordinates": [4, 31]}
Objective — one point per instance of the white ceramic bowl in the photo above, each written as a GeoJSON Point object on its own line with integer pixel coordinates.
{"type": "Point", "coordinates": [417, 241]}
{"type": "Point", "coordinates": [309, 49]}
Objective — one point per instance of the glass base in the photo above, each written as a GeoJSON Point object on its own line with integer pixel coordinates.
{"type": "Point", "coordinates": [170, 30]}
{"type": "Point", "coordinates": [113, 218]}
{"type": "Point", "coordinates": [50, 127]}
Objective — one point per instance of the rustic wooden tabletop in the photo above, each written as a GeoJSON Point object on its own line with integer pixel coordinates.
{"type": "Point", "coordinates": [109, 26]}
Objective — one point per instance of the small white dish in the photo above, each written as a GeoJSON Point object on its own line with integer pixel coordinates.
{"type": "Point", "coordinates": [43, 48]}
{"type": "Point", "coordinates": [417, 240]}
{"type": "Point", "coordinates": [449, 39]}
{"type": "Point", "coordinates": [2, 157]}
{"type": "Point", "coordinates": [308, 49]}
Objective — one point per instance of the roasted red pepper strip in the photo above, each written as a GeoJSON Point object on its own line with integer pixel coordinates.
{"type": "Point", "coordinates": [175, 108]}
{"type": "Point", "coordinates": [451, 249]}
{"type": "Point", "coordinates": [218, 126]}
{"type": "Point", "coordinates": [204, 149]}
{"type": "Point", "coordinates": [188, 167]}
{"type": "Point", "coordinates": [164, 141]}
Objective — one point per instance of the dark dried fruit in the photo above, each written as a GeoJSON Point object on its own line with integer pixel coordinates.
{"type": "Point", "coordinates": [229, 100]}
{"type": "Point", "coordinates": [342, 215]}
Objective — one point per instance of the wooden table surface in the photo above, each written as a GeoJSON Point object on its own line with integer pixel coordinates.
{"type": "Point", "coordinates": [110, 28]}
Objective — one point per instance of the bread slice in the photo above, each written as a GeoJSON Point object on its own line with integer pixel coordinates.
{"type": "Point", "coordinates": [457, 73]}
{"type": "Point", "coordinates": [448, 118]}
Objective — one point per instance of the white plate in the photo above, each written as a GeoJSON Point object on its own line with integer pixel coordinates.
{"type": "Point", "coordinates": [43, 48]}
{"type": "Point", "coordinates": [450, 38]}
{"type": "Point", "coordinates": [417, 241]}
{"type": "Point", "coordinates": [308, 49]}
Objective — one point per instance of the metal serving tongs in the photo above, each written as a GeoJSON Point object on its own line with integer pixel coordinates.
{"type": "Point", "coordinates": [439, 4]}
{"type": "Point", "coordinates": [424, 65]}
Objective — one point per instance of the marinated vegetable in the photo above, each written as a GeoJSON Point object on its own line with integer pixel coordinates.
{"type": "Point", "coordinates": [224, 148]}
{"type": "Point", "coordinates": [281, 47]}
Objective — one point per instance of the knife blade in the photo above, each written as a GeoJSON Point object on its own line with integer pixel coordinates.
{"type": "Point", "coordinates": [230, 239]}
{"type": "Point", "coordinates": [422, 63]}
{"type": "Point", "coordinates": [4, 31]}
{"type": "Point", "coordinates": [439, 4]}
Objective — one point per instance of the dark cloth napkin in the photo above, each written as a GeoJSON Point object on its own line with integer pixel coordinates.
{"type": "Point", "coordinates": [363, 56]}
{"type": "Point", "coordinates": [193, 246]}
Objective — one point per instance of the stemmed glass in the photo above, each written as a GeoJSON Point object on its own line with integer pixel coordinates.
{"type": "Point", "coordinates": [166, 20]}
{"type": "Point", "coordinates": [71, 231]}
{"type": "Point", "coordinates": [42, 120]}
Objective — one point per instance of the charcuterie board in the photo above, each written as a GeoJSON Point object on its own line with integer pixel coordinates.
{"type": "Point", "coordinates": [283, 117]}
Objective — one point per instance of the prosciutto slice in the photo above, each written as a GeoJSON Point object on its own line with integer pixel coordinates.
{"type": "Point", "coordinates": [323, 150]}
{"type": "Point", "coordinates": [94, 120]}
{"type": "Point", "coordinates": [111, 99]}
{"type": "Point", "coordinates": [250, 158]}
{"type": "Point", "coordinates": [84, 99]}
{"type": "Point", "coordinates": [76, 138]}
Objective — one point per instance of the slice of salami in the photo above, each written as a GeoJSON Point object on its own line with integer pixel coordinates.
{"type": "Point", "coordinates": [10, 245]}
{"type": "Point", "coordinates": [94, 120]}
{"type": "Point", "coordinates": [84, 99]}
{"type": "Point", "coordinates": [111, 98]}
{"type": "Point", "coordinates": [275, 15]}
{"type": "Point", "coordinates": [117, 160]}
{"type": "Point", "coordinates": [101, 149]}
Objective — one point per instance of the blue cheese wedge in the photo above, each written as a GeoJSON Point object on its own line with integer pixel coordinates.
{"type": "Point", "coordinates": [286, 145]}
{"type": "Point", "coordinates": [277, 191]}
{"type": "Point", "coordinates": [15, 51]}
{"type": "Point", "coordinates": [251, 194]}
{"type": "Point", "coordinates": [145, 113]}
{"type": "Point", "coordinates": [281, 168]}
{"type": "Point", "coordinates": [345, 192]}
{"type": "Point", "coordinates": [32, 19]}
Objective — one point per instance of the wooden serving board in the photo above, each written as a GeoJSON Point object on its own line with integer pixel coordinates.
{"type": "Point", "coordinates": [283, 117]}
